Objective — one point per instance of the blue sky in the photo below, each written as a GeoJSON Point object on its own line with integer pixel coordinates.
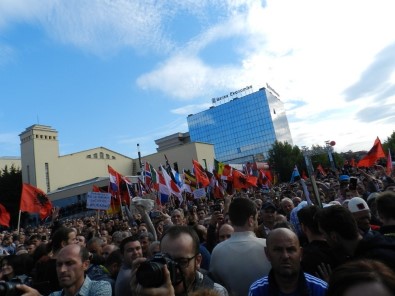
{"type": "Point", "coordinates": [117, 73]}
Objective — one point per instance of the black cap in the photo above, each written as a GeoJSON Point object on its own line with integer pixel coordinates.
{"type": "Point", "coordinates": [268, 205]}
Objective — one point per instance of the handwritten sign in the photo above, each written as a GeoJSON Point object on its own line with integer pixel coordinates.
{"type": "Point", "coordinates": [98, 201]}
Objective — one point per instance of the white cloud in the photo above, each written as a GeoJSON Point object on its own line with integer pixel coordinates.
{"type": "Point", "coordinates": [191, 109]}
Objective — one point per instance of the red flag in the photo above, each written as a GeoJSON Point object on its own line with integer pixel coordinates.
{"type": "Point", "coordinates": [34, 200]}
{"type": "Point", "coordinates": [389, 163]}
{"type": "Point", "coordinates": [200, 174]}
{"type": "Point", "coordinates": [4, 216]}
{"type": "Point", "coordinates": [373, 155]}
{"type": "Point", "coordinates": [240, 180]}
{"type": "Point", "coordinates": [321, 170]}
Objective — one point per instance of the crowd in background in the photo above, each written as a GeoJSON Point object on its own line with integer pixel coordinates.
{"type": "Point", "coordinates": [354, 219]}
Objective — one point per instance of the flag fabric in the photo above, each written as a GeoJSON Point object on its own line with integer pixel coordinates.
{"type": "Point", "coordinates": [34, 200]}
{"type": "Point", "coordinates": [218, 167]}
{"type": "Point", "coordinates": [201, 176]}
{"type": "Point", "coordinates": [164, 191]}
{"type": "Point", "coordinates": [4, 216]}
{"type": "Point", "coordinates": [241, 180]}
{"type": "Point", "coordinates": [304, 175]}
{"type": "Point", "coordinates": [321, 170]}
{"type": "Point", "coordinates": [174, 188]}
{"type": "Point", "coordinates": [147, 174]}
{"type": "Point", "coordinates": [295, 175]}
{"type": "Point", "coordinates": [177, 178]}
{"type": "Point", "coordinates": [190, 179]}
{"type": "Point", "coordinates": [389, 163]}
{"type": "Point", "coordinates": [115, 179]}
{"type": "Point", "coordinates": [375, 153]}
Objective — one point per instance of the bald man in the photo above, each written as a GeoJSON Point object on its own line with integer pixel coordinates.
{"type": "Point", "coordinates": [71, 263]}
{"type": "Point", "coordinates": [286, 277]}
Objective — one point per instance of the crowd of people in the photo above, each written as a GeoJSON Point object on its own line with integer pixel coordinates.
{"type": "Point", "coordinates": [253, 242]}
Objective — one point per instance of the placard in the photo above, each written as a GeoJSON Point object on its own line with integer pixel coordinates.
{"type": "Point", "coordinates": [98, 200]}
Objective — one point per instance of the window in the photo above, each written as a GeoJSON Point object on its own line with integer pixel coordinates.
{"type": "Point", "coordinates": [95, 155]}
{"type": "Point", "coordinates": [101, 155]}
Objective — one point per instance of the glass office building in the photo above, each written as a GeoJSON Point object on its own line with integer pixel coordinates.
{"type": "Point", "coordinates": [243, 128]}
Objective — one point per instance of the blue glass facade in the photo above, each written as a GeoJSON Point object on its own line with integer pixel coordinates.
{"type": "Point", "coordinates": [242, 129]}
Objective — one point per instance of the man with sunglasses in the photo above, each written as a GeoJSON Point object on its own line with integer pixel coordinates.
{"type": "Point", "coordinates": [181, 243]}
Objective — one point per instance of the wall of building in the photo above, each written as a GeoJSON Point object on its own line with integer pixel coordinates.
{"type": "Point", "coordinates": [183, 155]}
{"type": "Point", "coordinates": [10, 161]}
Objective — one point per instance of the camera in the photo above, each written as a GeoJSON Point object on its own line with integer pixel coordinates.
{"type": "Point", "coordinates": [216, 208]}
{"type": "Point", "coordinates": [150, 273]}
{"type": "Point", "coordinates": [9, 288]}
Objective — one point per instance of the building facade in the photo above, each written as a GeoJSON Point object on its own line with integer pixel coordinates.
{"type": "Point", "coordinates": [243, 128]}
{"type": "Point", "coordinates": [68, 178]}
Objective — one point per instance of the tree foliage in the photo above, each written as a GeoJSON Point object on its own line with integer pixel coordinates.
{"type": "Point", "coordinates": [282, 159]}
{"type": "Point", "coordinates": [389, 143]}
{"type": "Point", "coordinates": [10, 191]}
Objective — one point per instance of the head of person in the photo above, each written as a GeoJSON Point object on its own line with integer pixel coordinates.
{"type": "Point", "coordinates": [108, 249]}
{"type": "Point", "coordinates": [71, 263]}
{"type": "Point", "coordinates": [95, 246]}
{"type": "Point", "coordinates": [81, 240]}
{"type": "Point", "coordinates": [243, 213]}
{"type": "Point", "coordinates": [35, 239]}
{"type": "Point", "coordinates": [284, 252]}
{"type": "Point", "coordinates": [338, 225]}
{"type": "Point", "coordinates": [62, 237]}
{"type": "Point", "coordinates": [268, 214]}
{"type": "Point", "coordinates": [30, 247]}
{"type": "Point", "coordinates": [362, 277]}
{"type": "Point", "coordinates": [8, 265]}
{"type": "Point", "coordinates": [153, 249]}
{"type": "Point", "coordinates": [287, 205]}
{"type": "Point", "coordinates": [201, 212]}
{"type": "Point", "coordinates": [182, 244]}
{"type": "Point", "coordinates": [225, 232]}
{"type": "Point", "coordinates": [113, 263]}
{"type": "Point", "coordinates": [145, 239]}
{"type": "Point", "coordinates": [307, 221]}
{"type": "Point", "coordinates": [177, 217]}
{"type": "Point", "coordinates": [142, 228]}
{"type": "Point", "coordinates": [361, 213]}
{"type": "Point", "coordinates": [130, 249]}
{"type": "Point", "coordinates": [385, 202]}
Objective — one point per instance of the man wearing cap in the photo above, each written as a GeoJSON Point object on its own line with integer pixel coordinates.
{"type": "Point", "coordinates": [268, 217]}
{"type": "Point", "coordinates": [361, 213]}
{"type": "Point", "coordinates": [344, 182]}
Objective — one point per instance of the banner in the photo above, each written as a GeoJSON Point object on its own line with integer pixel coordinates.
{"type": "Point", "coordinates": [98, 201]}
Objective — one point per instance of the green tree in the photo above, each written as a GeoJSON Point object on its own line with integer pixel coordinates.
{"type": "Point", "coordinates": [10, 191]}
{"type": "Point", "coordinates": [282, 159]}
{"type": "Point", "coordinates": [390, 144]}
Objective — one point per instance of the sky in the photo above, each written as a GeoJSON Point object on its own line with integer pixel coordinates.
{"type": "Point", "coordinates": [117, 73]}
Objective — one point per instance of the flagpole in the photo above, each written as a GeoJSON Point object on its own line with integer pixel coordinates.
{"type": "Point", "coordinates": [19, 220]}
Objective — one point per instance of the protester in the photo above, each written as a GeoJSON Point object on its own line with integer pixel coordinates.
{"type": "Point", "coordinates": [71, 263]}
{"type": "Point", "coordinates": [130, 248]}
{"type": "Point", "coordinates": [342, 234]}
{"type": "Point", "coordinates": [238, 273]}
{"type": "Point", "coordinates": [182, 244]}
{"type": "Point", "coordinates": [286, 276]}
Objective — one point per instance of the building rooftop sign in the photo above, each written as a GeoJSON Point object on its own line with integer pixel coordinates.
{"type": "Point", "coordinates": [230, 95]}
